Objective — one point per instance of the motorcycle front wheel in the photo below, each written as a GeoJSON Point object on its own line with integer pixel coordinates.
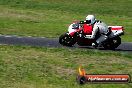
{"type": "Point", "coordinates": [66, 40]}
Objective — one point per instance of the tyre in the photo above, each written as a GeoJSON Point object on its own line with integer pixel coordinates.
{"type": "Point", "coordinates": [81, 80]}
{"type": "Point", "coordinates": [66, 40]}
{"type": "Point", "coordinates": [116, 41]}
{"type": "Point", "coordinates": [112, 43]}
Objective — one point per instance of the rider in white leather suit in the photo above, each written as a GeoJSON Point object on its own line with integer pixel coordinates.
{"type": "Point", "coordinates": [98, 27]}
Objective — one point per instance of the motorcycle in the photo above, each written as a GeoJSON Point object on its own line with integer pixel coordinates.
{"type": "Point", "coordinates": [76, 34]}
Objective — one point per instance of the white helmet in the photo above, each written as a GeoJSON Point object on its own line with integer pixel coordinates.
{"type": "Point", "coordinates": [90, 19]}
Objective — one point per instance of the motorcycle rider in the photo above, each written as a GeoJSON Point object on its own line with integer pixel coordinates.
{"type": "Point", "coordinates": [99, 27]}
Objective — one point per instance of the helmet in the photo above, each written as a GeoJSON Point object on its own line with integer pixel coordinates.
{"type": "Point", "coordinates": [90, 19]}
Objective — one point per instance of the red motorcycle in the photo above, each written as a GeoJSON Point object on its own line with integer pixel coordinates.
{"type": "Point", "coordinates": [78, 30]}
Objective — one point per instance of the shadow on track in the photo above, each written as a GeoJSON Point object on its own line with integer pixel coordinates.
{"type": "Point", "coordinates": [123, 47]}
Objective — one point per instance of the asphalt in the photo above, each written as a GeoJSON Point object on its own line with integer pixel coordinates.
{"type": "Point", "coordinates": [48, 42]}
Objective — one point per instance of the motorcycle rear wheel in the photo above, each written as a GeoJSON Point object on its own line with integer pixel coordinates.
{"type": "Point", "coordinates": [113, 43]}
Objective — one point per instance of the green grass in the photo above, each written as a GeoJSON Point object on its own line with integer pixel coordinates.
{"type": "Point", "coordinates": [50, 18]}
{"type": "Point", "coordinates": [37, 67]}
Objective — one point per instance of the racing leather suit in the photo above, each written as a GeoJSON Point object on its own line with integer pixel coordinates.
{"type": "Point", "coordinates": [102, 29]}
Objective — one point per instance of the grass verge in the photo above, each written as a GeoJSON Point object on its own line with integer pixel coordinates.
{"type": "Point", "coordinates": [50, 18]}
{"type": "Point", "coordinates": [37, 67]}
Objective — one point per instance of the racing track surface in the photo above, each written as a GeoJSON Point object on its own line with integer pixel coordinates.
{"type": "Point", "coordinates": [48, 42]}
